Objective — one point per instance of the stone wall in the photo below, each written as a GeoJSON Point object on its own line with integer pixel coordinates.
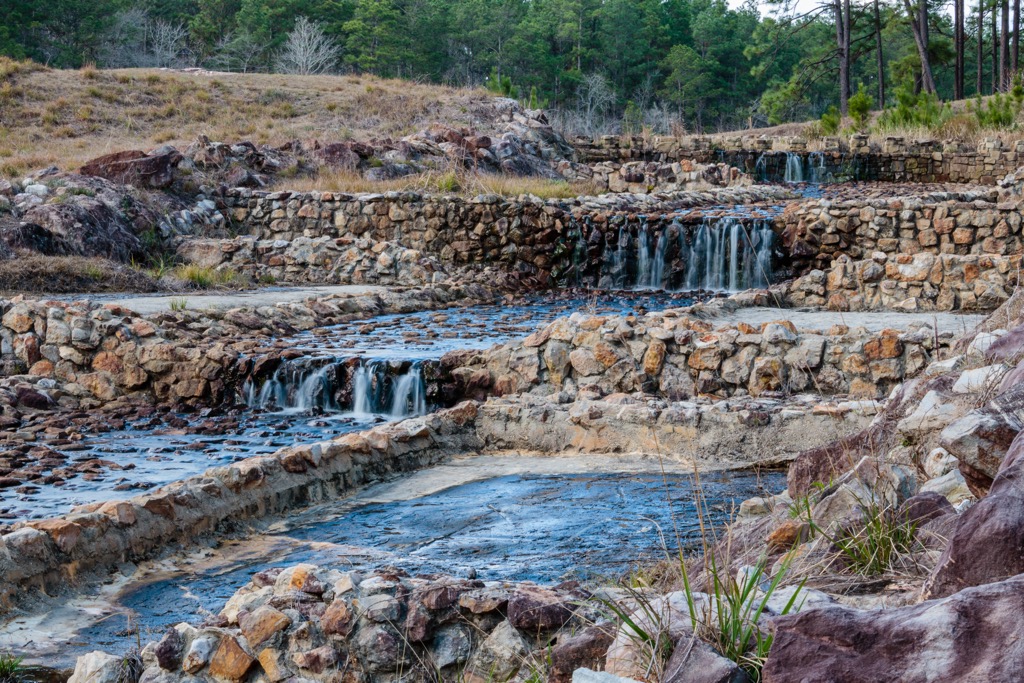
{"type": "Point", "coordinates": [680, 357]}
{"type": "Point", "coordinates": [90, 353]}
{"type": "Point", "coordinates": [816, 231]}
{"type": "Point", "coordinates": [894, 160]}
{"type": "Point", "coordinates": [289, 234]}
{"type": "Point", "coordinates": [918, 282]}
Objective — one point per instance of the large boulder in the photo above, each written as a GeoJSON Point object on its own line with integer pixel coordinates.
{"type": "Point", "coordinates": [133, 167]}
{"type": "Point", "coordinates": [85, 226]}
{"type": "Point", "coordinates": [987, 543]}
{"type": "Point", "coordinates": [970, 636]}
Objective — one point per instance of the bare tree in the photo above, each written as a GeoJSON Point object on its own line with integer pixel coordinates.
{"type": "Point", "coordinates": [594, 96]}
{"type": "Point", "coordinates": [167, 43]}
{"type": "Point", "coordinates": [124, 42]}
{"type": "Point", "coordinates": [308, 50]}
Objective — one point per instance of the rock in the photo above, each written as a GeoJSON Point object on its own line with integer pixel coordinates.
{"type": "Point", "coordinates": [170, 651]}
{"type": "Point", "coordinates": [952, 486]}
{"type": "Point", "coordinates": [586, 649]}
{"type": "Point", "coordinates": [452, 645]}
{"type": "Point", "coordinates": [979, 441]}
{"type": "Point", "coordinates": [970, 636]}
{"type": "Point", "coordinates": [986, 544]}
{"type": "Point", "coordinates": [694, 661]}
{"type": "Point", "coordinates": [669, 613]}
{"type": "Point", "coordinates": [536, 609]}
{"type": "Point", "coordinates": [231, 660]}
{"type": "Point", "coordinates": [133, 167]}
{"type": "Point", "coordinates": [338, 619]}
{"type": "Point", "coordinates": [199, 652]}
{"type": "Point", "coordinates": [924, 507]}
{"type": "Point", "coordinates": [261, 624]}
{"type": "Point", "coordinates": [934, 412]}
{"type": "Point", "coordinates": [499, 656]}
{"type": "Point", "coordinates": [590, 676]}
{"type": "Point", "coordinates": [979, 379]}
{"type": "Point", "coordinates": [97, 667]}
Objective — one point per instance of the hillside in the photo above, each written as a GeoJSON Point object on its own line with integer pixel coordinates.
{"type": "Point", "coordinates": [63, 118]}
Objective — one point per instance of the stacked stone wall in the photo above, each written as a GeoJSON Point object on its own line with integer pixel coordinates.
{"type": "Point", "coordinates": [894, 160]}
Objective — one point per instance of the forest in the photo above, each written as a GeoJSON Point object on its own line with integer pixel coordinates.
{"type": "Point", "coordinates": [602, 65]}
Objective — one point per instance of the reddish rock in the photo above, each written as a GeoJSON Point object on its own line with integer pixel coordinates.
{"type": "Point", "coordinates": [260, 625]}
{"type": "Point", "coordinates": [586, 649]}
{"type": "Point", "coordinates": [133, 167]}
{"type": "Point", "coordinates": [970, 636]}
{"type": "Point", "coordinates": [230, 661]}
{"type": "Point", "coordinates": [338, 619]}
{"type": "Point", "coordinates": [987, 543]}
{"type": "Point", "coordinates": [537, 609]}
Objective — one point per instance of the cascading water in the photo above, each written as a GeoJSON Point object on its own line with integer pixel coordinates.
{"type": "Point", "coordinates": [643, 257]}
{"type": "Point", "coordinates": [297, 386]}
{"type": "Point", "coordinates": [794, 168]}
{"type": "Point", "coordinates": [376, 391]}
{"type": "Point", "coordinates": [726, 255]}
{"type": "Point", "coordinates": [657, 277]}
{"type": "Point", "coordinates": [620, 275]}
{"type": "Point", "coordinates": [312, 386]}
{"type": "Point", "coordinates": [817, 171]}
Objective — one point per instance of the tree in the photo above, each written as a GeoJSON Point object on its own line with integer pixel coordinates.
{"type": "Point", "coordinates": [376, 38]}
{"type": "Point", "coordinates": [594, 98]}
{"type": "Point", "coordinates": [308, 50]}
{"type": "Point", "coordinates": [688, 84]}
{"type": "Point", "coordinates": [919, 26]}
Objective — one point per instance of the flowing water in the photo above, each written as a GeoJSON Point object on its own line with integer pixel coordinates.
{"type": "Point", "coordinates": [348, 377]}
{"type": "Point", "coordinates": [513, 527]}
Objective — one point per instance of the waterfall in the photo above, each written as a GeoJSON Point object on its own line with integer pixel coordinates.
{"type": "Point", "coordinates": [761, 169]}
{"type": "Point", "coordinates": [300, 386]}
{"type": "Point", "coordinates": [619, 274]}
{"type": "Point", "coordinates": [794, 168]}
{"type": "Point", "coordinates": [727, 255]}
{"type": "Point", "coordinates": [658, 262]}
{"type": "Point", "coordinates": [376, 391]}
{"type": "Point", "coordinates": [817, 171]}
{"type": "Point", "coordinates": [312, 386]}
{"type": "Point", "coordinates": [643, 257]}
{"type": "Point", "coordinates": [409, 394]}
{"type": "Point", "coordinates": [579, 254]}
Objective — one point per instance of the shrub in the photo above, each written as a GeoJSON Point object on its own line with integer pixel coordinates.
{"type": "Point", "coordinates": [632, 119]}
{"type": "Point", "coordinates": [860, 107]}
{"type": "Point", "coordinates": [1000, 111]}
{"type": "Point", "coordinates": [922, 109]}
{"type": "Point", "coordinates": [830, 121]}
{"type": "Point", "coordinates": [870, 550]}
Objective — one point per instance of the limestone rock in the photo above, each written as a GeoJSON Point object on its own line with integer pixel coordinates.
{"type": "Point", "coordinates": [97, 667]}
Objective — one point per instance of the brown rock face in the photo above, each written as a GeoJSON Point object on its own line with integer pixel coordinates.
{"type": "Point", "coordinates": [337, 619]}
{"type": "Point", "coordinates": [231, 661]}
{"type": "Point", "coordinates": [970, 636]}
{"type": "Point", "coordinates": [133, 167]}
{"type": "Point", "coordinates": [537, 609]}
{"type": "Point", "coordinates": [260, 625]}
{"type": "Point", "coordinates": [987, 543]}
{"type": "Point", "coordinates": [586, 649]}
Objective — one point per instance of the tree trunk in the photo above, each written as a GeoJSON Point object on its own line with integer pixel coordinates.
{"type": "Point", "coordinates": [1004, 47]}
{"type": "Point", "coordinates": [880, 57]}
{"type": "Point", "coordinates": [995, 48]}
{"type": "Point", "coordinates": [980, 75]}
{"type": "Point", "coordinates": [1015, 55]}
{"type": "Point", "coordinates": [920, 26]}
{"type": "Point", "coordinates": [958, 48]}
{"type": "Point", "coordinates": [842, 12]}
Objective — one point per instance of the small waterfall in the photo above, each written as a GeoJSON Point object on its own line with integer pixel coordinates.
{"type": "Point", "coordinates": [579, 254]}
{"type": "Point", "coordinates": [761, 169]}
{"type": "Point", "coordinates": [376, 391]}
{"type": "Point", "coordinates": [727, 255]}
{"type": "Point", "coordinates": [620, 275]}
{"type": "Point", "coordinates": [794, 168]}
{"type": "Point", "coordinates": [297, 386]}
{"type": "Point", "coordinates": [817, 171]}
{"type": "Point", "coordinates": [658, 262]}
{"type": "Point", "coordinates": [409, 395]}
{"type": "Point", "coordinates": [643, 275]}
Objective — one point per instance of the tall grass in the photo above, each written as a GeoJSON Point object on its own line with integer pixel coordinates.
{"type": "Point", "coordinates": [11, 668]}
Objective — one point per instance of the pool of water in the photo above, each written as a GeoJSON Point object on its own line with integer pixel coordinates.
{"type": "Point", "coordinates": [144, 455]}
{"type": "Point", "coordinates": [517, 527]}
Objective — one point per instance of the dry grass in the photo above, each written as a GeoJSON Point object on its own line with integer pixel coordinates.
{"type": "Point", "coordinates": [64, 118]}
{"type": "Point", "coordinates": [464, 183]}
{"type": "Point", "coordinates": [32, 272]}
